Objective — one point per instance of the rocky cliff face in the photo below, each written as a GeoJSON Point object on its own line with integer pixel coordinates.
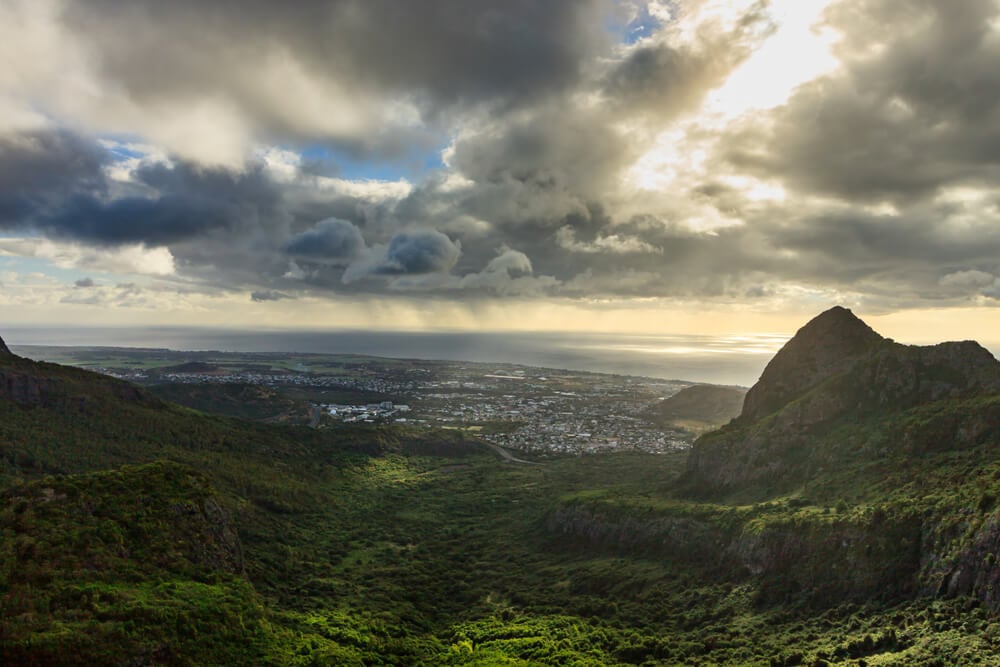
{"type": "Point", "coordinates": [836, 371]}
{"type": "Point", "coordinates": [820, 562]}
{"type": "Point", "coordinates": [37, 384]}
{"type": "Point", "coordinates": [4, 350]}
{"type": "Point", "coordinates": [684, 538]}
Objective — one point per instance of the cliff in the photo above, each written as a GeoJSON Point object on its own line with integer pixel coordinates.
{"type": "Point", "coordinates": [38, 384]}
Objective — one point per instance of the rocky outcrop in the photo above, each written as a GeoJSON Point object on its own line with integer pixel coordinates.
{"type": "Point", "coordinates": [210, 536]}
{"type": "Point", "coordinates": [4, 350]}
{"type": "Point", "coordinates": [828, 561]}
{"type": "Point", "coordinates": [161, 518]}
{"type": "Point", "coordinates": [37, 384]}
{"type": "Point", "coordinates": [685, 538]}
{"type": "Point", "coordinates": [818, 560]}
{"type": "Point", "coordinates": [24, 389]}
{"type": "Point", "coordinates": [835, 372]}
{"type": "Point", "coordinates": [970, 570]}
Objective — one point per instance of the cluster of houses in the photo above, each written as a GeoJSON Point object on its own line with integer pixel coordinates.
{"type": "Point", "coordinates": [371, 413]}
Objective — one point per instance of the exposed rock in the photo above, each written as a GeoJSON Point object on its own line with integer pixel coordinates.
{"type": "Point", "coordinates": [679, 537]}
{"type": "Point", "coordinates": [4, 350]}
{"type": "Point", "coordinates": [826, 563]}
{"type": "Point", "coordinates": [971, 571]}
{"type": "Point", "coordinates": [209, 534]}
{"type": "Point", "coordinates": [819, 562]}
{"type": "Point", "coordinates": [169, 516]}
{"type": "Point", "coordinates": [38, 384]}
{"type": "Point", "coordinates": [24, 389]}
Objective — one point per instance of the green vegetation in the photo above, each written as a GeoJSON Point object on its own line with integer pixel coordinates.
{"type": "Point", "coordinates": [245, 401]}
{"type": "Point", "coordinates": [698, 408]}
{"type": "Point", "coordinates": [138, 532]}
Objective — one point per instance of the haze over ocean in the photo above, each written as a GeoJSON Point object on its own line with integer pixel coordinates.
{"type": "Point", "coordinates": [723, 360]}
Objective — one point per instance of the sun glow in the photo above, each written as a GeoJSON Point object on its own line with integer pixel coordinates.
{"type": "Point", "coordinates": [800, 50]}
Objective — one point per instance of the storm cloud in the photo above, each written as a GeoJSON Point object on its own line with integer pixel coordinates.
{"type": "Point", "coordinates": [41, 168]}
{"type": "Point", "coordinates": [333, 239]}
{"type": "Point", "coordinates": [554, 157]}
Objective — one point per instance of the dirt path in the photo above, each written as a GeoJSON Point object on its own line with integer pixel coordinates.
{"type": "Point", "coordinates": [507, 456]}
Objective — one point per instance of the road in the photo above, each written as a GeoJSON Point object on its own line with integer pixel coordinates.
{"type": "Point", "coordinates": [507, 456]}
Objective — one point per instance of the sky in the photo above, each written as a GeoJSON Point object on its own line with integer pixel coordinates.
{"type": "Point", "coordinates": [670, 166]}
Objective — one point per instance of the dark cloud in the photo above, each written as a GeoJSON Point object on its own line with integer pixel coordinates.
{"type": "Point", "coordinates": [419, 252]}
{"type": "Point", "coordinates": [268, 295]}
{"type": "Point", "coordinates": [136, 219]}
{"type": "Point", "coordinates": [915, 109]}
{"type": "Point", "coordinates": [39, 169]}
{"type": "Point", "coordinates": [440, 54]}
{"type": "Point", "coordinates": [186, 201]}
{"type": "Point", "coordinates": [84, 282]}
{"type": "Point", "coordinates": [544, 121]}
{"type": "Point", "coordinates": [333, 239]}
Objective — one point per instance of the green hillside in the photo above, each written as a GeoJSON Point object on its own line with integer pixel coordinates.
{"type": "Point", "coordinates": [245, 401]}
{"type": "Point", "coordinates": [138, 532]}
{"type": "Point", "coordinates": [699, 408]}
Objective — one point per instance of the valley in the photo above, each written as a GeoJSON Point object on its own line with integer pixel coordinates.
{"type": "Point", "coordinates": [819, 527]}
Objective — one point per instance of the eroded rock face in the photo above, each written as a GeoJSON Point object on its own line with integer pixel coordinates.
{"type": "Point", "coordinates": [684, 538]}
{"type": "Point", "coordinates": [23, 388]}
{"type": "Point", "coordinates": [4, 350]}
{"type": "Point", "coordinates": [972, 570]}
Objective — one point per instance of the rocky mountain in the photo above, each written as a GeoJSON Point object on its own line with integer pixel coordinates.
{"type": "Point", "coordinates": [837, 373]}
{"type": "Point", "coordinates": [829, 344]}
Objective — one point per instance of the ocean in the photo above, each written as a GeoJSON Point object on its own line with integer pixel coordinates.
{"type": "Point", "coordinates": [736, 360]}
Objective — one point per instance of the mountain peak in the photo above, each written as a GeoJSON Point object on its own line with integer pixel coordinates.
{"type": "Point", "coordinates": [828, 344]}
{"type": "Point", "coordinates": [4, 351]}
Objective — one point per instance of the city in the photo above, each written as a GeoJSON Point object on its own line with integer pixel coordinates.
{"type": "Point", "coordinates": [536, 411]}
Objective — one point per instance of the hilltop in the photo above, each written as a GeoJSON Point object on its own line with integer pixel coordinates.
{"type": "Point", "coordinates": [838, 392]}
{"type": "Point", "coordinates": [829, 344]}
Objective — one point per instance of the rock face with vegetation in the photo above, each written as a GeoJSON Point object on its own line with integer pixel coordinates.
{"type": "Point", "coordinates": [836, 383]}
{"type": "Point", "coordinates": [33, 384]}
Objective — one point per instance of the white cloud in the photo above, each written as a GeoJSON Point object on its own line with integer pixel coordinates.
{"type": "Point", "coordinates": [612, 243]}
{"type": "Point", "coordinates": [125, 259]}
{"type": "Point", "coordinates": [370, 189]}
